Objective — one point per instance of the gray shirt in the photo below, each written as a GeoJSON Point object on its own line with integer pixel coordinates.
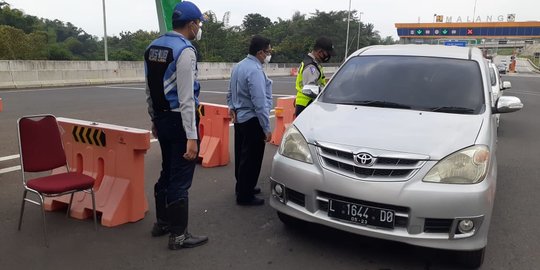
{"type": "Point", "coordinates": [186, 73]}
{"type": "Point", "coordinates": [310, 74]}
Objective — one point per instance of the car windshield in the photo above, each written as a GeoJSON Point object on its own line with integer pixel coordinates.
{"type": "Point", "coordinates": [408, 82]}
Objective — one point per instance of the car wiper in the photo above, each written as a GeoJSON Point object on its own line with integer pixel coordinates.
{"type": "Point", "coordinates": [450, 109]}
{"type": "Point", "coordinates": [378, 103]}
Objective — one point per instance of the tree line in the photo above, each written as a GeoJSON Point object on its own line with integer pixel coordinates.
{"type": "Point", "coordinates": [27, 37]}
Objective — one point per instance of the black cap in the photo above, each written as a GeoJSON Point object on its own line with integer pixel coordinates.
{"type": "Point", "coordinates": [325, 44]}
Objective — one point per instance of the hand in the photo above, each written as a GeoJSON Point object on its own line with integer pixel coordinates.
{"type": "Point", "coordinates": [191, 149]}
{"type": "Point", "coordinates": [268, 137]}
{"type": "Point", "coordinates": [232, 115]}
{"type": "Point", "coordinates": [154, 131]}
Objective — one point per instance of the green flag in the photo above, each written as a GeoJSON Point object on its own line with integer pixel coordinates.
{"type": "Point", "coordinates": [165, 10]}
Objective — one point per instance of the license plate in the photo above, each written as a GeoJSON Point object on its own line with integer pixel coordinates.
{"type": "Point", "coordinates": [361, 214]}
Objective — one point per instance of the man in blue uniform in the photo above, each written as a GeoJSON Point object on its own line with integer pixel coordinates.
{"type": "Point", "coordinates": [250, 101]}
{"type": "Point", "coordinates": [172, 92]}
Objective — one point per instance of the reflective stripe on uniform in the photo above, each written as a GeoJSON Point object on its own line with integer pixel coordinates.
{"type": "Point", "coordinates": [302, 99]}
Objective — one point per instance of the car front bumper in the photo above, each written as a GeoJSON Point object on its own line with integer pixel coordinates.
{"type": "Point", "coordinates": [427, 214]}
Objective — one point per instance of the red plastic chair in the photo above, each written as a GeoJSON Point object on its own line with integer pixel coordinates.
{"type": "Point", "coordinates": [41, 149]}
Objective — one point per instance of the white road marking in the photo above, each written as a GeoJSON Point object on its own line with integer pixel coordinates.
{"type": "Point", "coordinates": [10, 169]}
{"type": "Point", "coordinates": [9, 157]}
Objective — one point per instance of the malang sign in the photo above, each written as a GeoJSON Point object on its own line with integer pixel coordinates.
{"type": "Point", "coordinates": [499, 18]}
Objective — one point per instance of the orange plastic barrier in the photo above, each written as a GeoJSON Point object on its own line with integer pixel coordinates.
{"type": "Point", "coordinates": [284, 117]}
{"type": "Point", "coordinates": [294, 71]}
{"type": "Point", "coordinates": [1, 106]}
{"type": "Point", "coordinates": [512, 67]}
{"type": "Point", "coordinates": [114, 156]}
{"type": "Point", "coordinates": [214, 131]}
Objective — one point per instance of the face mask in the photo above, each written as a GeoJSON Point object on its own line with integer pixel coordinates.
{"type": "Point", "coordinates": [267, 59]}
{"type": "Point", "coordinates": [326, 58]}
{"type": "Point", "coordinates": [198, 35]}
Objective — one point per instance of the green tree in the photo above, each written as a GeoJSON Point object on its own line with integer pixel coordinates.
{"type": "Point", "coordinates": [388, 41]}
{"type": "Point", "coordinates": [59, 52]}
{"type": "Point", "coordinates": [255, 23]}
{"type": "Point", "coordinates": [17, 19]}
{"type": "Point", "coordinates": [123, 55]}
{"type": "Point", "coordinates": [15, 44]}
{"type": "Point", "coordinates": [28, 37]}
{"type": "Point", "coordinates": [220, 44]}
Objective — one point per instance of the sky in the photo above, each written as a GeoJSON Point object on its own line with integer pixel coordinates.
{"type": "Point", "coordinates": [132, 15]}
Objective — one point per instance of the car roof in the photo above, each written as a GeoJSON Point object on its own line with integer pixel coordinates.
{"type": "Point", "coordinates": [422, 50]}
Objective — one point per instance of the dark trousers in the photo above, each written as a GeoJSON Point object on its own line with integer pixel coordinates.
{"type": "Point", "coordinates": [299, 108]}
{"type": "Point", "coordinates": [249, 146]}
{"type": "Point", "coordinates": [176, 172]}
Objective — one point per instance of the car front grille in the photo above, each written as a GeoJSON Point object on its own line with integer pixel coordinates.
{"type": "Point", "coordinates": [295, 197]}
{"type": "Point", "coordinates": [436, 225]}
{"type": "Point", "coordinates": [383, 169]}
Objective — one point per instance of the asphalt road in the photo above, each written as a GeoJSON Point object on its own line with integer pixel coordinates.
{"type": "Point", "coordinates": [243, 237]}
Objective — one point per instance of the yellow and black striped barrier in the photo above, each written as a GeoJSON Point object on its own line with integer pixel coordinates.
{"type": "Point", "coordinates": [200, 110]}
{"type": "Point", "coordinates": [92, 136]}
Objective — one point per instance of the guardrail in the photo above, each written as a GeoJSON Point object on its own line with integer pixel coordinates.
{"type": "Point", "coordinates": [536, 68]}
{"type": "Point", "coordinates": [34, 73]}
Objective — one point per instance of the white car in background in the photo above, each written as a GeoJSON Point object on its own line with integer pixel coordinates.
{"type": "Point", "coordinates": [497, 86]}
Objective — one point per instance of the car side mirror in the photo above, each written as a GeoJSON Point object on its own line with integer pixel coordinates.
{"type": "Point", "coordinates": [507, 104]}
{"type": "Point", "coordinates": [311, 90]}
{"type": "Point", "coordinates": [506, 85]}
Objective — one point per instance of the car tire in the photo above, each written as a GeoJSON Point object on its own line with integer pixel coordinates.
{"type": "Point", "coordinates": [472, 259]}
{"type": "Point", "coordinates": [290, 221]}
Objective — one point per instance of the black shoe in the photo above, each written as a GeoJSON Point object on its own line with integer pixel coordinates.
{"type": "Point", "coordinates": [256, 190]}
{"type": "Point", "coordinates": [160, 230]}
{"type": "Point", "coordinates": [192, 241]}
{"type": "Point", "coordinates": [253, 201]}
{"type": "Point", "coordinates": [186, 240]}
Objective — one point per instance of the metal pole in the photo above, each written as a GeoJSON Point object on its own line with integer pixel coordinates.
{"type": "Point", "coordinates": [347, 39]}
{"type": "Point", "coordinates": [105, 32]}
{"type": "Point", "coordinates": [474, 12]}
{"type": "Point", "coordinates": [161, 19]}
{"type": "Point", "coordinates": [359, 27]}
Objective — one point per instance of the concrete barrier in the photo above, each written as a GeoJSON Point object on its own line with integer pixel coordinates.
{"type": "Point", "coordinates": [35, 73]}
{"type": "Point", "coordinates": [534, 66]}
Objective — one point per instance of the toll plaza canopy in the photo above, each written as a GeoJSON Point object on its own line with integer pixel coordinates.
{"type": "Point", "coordinates": [490, 30]}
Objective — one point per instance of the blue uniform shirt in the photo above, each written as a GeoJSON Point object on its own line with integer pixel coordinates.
{"type": "Point", "coordinates": [250, 92]}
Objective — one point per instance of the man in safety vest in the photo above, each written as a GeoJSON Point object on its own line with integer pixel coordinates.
{"type": "Point", "coordinates": [311, 71]}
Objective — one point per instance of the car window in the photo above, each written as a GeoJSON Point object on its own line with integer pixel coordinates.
{"type": "Point", "coordinates": [408, 82]}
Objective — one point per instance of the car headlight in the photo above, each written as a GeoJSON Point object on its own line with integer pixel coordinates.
{"type": "Point", "coordinates": [295, 146]}
{"type": "Point", "coordinates": [467, 166]}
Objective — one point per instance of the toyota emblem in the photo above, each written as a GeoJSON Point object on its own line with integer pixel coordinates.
{"type": "Point", "coordinates": [364, 159]}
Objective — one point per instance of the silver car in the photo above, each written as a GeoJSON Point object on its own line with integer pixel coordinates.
{"type": "Point", "coordinates": [400, 145]}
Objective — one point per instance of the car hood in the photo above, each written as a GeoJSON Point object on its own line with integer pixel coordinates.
{"type": "Point", "coordinates": [431, 134]}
